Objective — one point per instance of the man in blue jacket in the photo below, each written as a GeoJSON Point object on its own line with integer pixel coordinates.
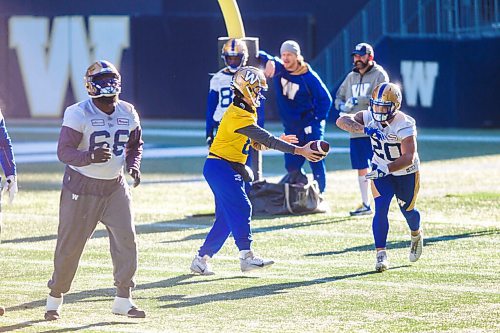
{"type": "Point", "coordinates": [303, 102]}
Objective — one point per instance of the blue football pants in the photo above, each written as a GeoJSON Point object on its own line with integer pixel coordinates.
{"type": "Point", "coordinates": [295, 162]}
{"type": "Point", "coordinates": [406, 190]}
{"type": "Point", "coordinates": [233, 209]}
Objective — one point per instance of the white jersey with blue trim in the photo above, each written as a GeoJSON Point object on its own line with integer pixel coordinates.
{"type": "Point", "coordinates": [100, 129]}
{"type": "Point", "coordinates": [388, 149]}
{"type": "Point", "coordinates": [221, 83]}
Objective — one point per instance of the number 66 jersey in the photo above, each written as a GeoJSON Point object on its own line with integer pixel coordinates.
{"type": "Point", "coordinates": [102, 130]}
{"type": "Point", "coordinates": [388, 149]}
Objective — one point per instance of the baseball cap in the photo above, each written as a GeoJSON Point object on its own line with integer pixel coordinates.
{"type": "Point", "coordinates": [362, 49]}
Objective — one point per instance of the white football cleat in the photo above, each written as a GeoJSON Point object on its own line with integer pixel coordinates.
{"type": "Point", "coordinates": [416, 247]}
{"type": "Point", "coordinates": [251, 262]}
{"type": "Point", "coordinates": [126, 307]}
{"type": "Point", "coordinates": [200, 265]}
{"type": "Point", "coordinates": [382, 261]}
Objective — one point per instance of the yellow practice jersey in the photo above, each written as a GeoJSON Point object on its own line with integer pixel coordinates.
{"type": "Point", "coordinates": [228, 144]}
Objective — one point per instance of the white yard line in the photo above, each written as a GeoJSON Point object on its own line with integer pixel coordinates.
{"type": "Point", "coordinates": [36, 152]}
{"type": "Point", "coordinates": [45, 151]}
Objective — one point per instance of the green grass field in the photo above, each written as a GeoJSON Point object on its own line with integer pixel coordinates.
{"type": "Point", "coordinates": [323, 279]}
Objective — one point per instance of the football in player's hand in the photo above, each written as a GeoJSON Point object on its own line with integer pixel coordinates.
{"type": "Point", "coordinates": [320, 146]}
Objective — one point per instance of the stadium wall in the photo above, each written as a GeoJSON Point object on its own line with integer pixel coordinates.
{"type": "Point", "coordinates": [166, 50]}
{"type": "Point", "coordinates": [446, 83]}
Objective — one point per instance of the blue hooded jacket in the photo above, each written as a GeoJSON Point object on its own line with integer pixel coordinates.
{"type": "Point", "coordinates": [301, 95]}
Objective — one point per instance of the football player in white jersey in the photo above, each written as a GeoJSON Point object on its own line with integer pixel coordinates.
{"type": "Point", "coordinates": [352, 96]}
{"type": "Point", "coordinates": [99, 136]}
{"type": "Point", "coordinates": [220, 95]}
{"type": "Point", "coordinates": [395, 165]}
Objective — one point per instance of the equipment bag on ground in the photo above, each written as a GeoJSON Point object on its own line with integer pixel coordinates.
{"type": "Point", "coordinates": [294, 194]}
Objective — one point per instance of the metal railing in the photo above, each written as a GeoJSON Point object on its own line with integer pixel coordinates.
{"type": "Point", "coordinates": [448, 19]}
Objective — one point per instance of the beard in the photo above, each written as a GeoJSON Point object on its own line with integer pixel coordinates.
{"type": "Point", "coordinates": [360, 65]}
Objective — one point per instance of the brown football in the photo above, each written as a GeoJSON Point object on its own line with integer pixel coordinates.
{"type": "Point", "coordinates": [320, 146]}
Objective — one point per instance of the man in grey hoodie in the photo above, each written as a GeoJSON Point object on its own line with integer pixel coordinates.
{"type": "Point", "coordinates": [352, 96]}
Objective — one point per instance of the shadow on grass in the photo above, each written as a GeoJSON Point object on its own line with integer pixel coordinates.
{"type": "Point", "coordinates": [27, 324]}
{"type": "Point", "coordinates": [19, 326]}
{"type": "Point", "coordinates": [89, 326]}
{"type": "Point", "coordinates": [86, 295]}
{"type": "Point", "coordinates": [156, 227]}
{"type": "Point", "coordinates": [257, 230]}
{"type": "Point", "coordinates": [405, 244]}
{"type": "Point", "coordinates": [89, 296]}
{"type": "Point", "coordinates": [178, 225]}
{"type": "Point", "coordinates": [257, 291]}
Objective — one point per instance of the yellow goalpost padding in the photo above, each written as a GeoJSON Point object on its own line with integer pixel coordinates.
{"type": "Point", "coordinates": [232, 17]}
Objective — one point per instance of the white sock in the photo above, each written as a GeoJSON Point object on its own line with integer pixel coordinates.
{"type": "Point", "coordinates": [363, 187]}
{"type": "Point", "coordinates": [54, 303]}
{"type": "Point", "coordinates": [243, 253]}
{"type": "Point", "coordinates": [122, 305]}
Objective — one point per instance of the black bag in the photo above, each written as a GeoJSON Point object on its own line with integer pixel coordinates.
{"type": "Point", "coordinates": [294, 194]}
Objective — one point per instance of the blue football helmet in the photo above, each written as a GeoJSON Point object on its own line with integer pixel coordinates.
{"type": "Point", "coordinates": [385, 101]}
{"type": "Point", "coordinates": [235, 54]}
{"type": "Point", "coordinates": [98, 84]}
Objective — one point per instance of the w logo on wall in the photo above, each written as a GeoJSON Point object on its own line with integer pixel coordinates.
{"type": "Point", "coordinates": [419, 80]}
{"type": "Point", "coordinates": [51, 56]}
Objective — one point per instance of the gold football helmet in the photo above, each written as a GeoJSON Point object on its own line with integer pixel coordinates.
{"type": "Point", "coordinates": [249, 82]}
{"type": "Point", "coordinates": [385, 101]}
{"type": "Point", "coordinates": [235, 54]}
{"type": "Point", "coordinates": [98, 84]}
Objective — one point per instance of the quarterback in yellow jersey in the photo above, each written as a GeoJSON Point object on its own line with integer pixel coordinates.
{"type": "Point", "coordinates": [229, 144]}
{"type": "Point", "coordinates": [226, 173]}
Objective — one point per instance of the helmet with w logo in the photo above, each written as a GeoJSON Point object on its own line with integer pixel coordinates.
{"type": "Point", "coordinates": [248, 82]}
{"type": "Point", "coordinates": [235, 54]}
{"type": "Point", "coordinates": [385, 101]}
{"type": "Point", "coordinates": [102, 79]}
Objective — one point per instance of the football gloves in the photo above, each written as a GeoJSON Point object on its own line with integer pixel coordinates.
{"type": "Point", "coordinates": [136, 175]}
{"type": "Point", "coordinates": [100, 155]}
{"type": "Point", "coordinates": [210, 140]}
{"type": "Point", "coordinates": [210, 134]}
{"type": "Point", "coordinates": [374, 132]}
{"type": "Point", "coordinates": [351, 102]}
{"type": "Point", "coordinates": [379, 172]}
{"type": "Point", "coordinates": [348, 105]}
{"type": "Point", "coordinates": [10, 188]}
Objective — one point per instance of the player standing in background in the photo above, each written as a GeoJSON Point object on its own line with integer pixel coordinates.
{"type": "Point", "coordinates": [393, 135]}
{"type": "Point", "coordinates": [303, 103]}
{"type": "Point", "coordinates": [352, 96]}
{"type": "Point", "coordinates": [226, 173]}
{"type": "Point", "coordinates": [8, 165]}
{"type": "Point", "coordinates": [220, 95]}
{"type": "Point", "coordinates": [99, 136]}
